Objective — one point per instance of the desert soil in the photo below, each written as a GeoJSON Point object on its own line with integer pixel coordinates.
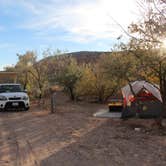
{"type": "Point", "coordinates": [73, 137]}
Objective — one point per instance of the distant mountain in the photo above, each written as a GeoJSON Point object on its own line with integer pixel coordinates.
{"type": "Point", "coordinates": [86, 56]}
{"type": "Point", "coordinates": [81, 57]}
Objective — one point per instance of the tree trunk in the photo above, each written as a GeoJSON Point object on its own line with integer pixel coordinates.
{"type": "Point", "coordinates": [72, 96]}
{"type": "Point", "coordinates": [101, 96]}
{"type": "Point", "coordinates": [100, 99]}
{"type": "Point", "coordinates": [162, 79]}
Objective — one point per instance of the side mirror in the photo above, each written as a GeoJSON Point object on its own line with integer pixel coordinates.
{"type": "Point", "coordinates": [25, 90]}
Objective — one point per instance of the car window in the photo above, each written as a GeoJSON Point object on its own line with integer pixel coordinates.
{"type": "Point", "coordinates": [10, 88]}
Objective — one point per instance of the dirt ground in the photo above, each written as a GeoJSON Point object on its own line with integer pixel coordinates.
{"type": "Point", "coordinates": [73, 137]}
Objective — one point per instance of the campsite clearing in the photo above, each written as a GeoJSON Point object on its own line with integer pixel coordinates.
{"type": "Point", "coordinates": [72, 137]}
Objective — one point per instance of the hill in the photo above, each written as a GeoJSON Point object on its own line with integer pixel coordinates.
{"type": "Point", "coordinates": [81, 57]}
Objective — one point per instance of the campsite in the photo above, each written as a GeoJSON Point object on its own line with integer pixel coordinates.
{"type": "Point", "coordinates": [74, 136]}
{"type": "Point", "coordinates": [83, 83]}
{"type": "Point", "coordinates": [76, 132]}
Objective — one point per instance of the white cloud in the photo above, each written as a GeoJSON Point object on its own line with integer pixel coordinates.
{"type": "Point", "coordinates": [2, 67]}
{"type": "Point", "coordinates": [81, 20]}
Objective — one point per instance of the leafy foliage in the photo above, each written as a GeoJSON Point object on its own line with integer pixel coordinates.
{"type": "Point", "coordinates": [67, 75]}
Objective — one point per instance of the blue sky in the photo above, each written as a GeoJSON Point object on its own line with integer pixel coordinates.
{"type": "Point", "coordinates": [73, 25]}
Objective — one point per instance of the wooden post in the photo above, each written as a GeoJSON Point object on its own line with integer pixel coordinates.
{"type": "Point", "coordinates": [53, 104]}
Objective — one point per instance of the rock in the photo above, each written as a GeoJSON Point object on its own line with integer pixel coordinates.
{"type": "Point", "coordinates": [135, 155]}
{"type": "Point", "coordinates": [137, 129]}
{"type": "Point", "coordinates": [164, 123]}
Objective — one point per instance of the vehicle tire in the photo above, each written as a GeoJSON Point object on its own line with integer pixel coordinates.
{"type": "Point", "coordinates": [26, 109]}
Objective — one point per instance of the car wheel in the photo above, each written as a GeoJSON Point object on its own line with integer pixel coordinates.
{"type": "Point", "coordinates": [26, 109]}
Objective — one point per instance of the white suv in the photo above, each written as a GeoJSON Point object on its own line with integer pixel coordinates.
{"type": "Point", "coordinates": [12, 96]}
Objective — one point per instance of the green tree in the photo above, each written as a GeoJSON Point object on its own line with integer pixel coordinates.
{"type": "Point", "coordinates": [67, 74]}
{"type": "Point", "coordinates": [96, 82]}
{"type": "Point", "coordinates": [39, 79]}
{"type": "Point", "coordinates": [151, 35]}
{"type": "Point", "coordinates": [25, 62]}
{"type": "Point", "coordinates": [148, 36]}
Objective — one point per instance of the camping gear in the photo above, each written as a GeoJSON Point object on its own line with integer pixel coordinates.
{"type": "Point", "coordinates": [141, 99]}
